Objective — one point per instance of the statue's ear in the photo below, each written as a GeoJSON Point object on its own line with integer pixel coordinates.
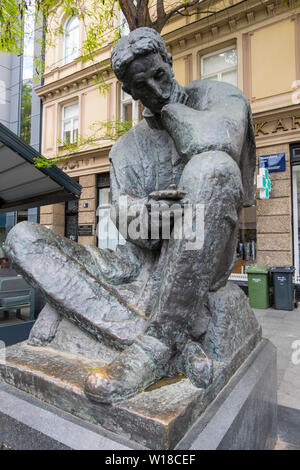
{"type": "Point", "coordinates": [170, 62]}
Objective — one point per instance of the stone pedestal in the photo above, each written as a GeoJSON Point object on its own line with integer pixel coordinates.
{"type": "Point", "coordinates": [243, 415]}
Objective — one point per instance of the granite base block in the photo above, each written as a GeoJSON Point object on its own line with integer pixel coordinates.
{"type": "Point", "coordinates": [242, 416]}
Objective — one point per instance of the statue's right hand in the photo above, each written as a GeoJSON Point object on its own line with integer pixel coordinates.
{"type": "Point", "coordinates": [154, 205]}
{"type": "Point", "coordinates": [170, 194]}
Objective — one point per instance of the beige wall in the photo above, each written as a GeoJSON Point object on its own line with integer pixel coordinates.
{"type": "Point", "coordinates": [273, 64]}
{"type": "Point", "coordinates": [93, 107]}
{"type": "Point", "coordinates": [274, 216]}
{"type": "Point", "coordinates": [88, 215]}
{"type": "Point", "coordinates": [53, 217]}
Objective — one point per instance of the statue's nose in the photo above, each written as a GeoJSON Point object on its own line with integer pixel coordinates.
{"type": "Point", "coordinates": [155, 88]}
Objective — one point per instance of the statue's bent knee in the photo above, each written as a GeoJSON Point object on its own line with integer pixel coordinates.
{"type": "Point", "coordinates": [23, 237]}
{"type": "Point", "coordinates": [207, 166]}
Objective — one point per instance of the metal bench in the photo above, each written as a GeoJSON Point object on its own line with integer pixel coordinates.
{"type": "Point", "coordinates": [16, 294]}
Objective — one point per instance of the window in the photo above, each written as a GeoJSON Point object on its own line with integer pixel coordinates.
{"type": "Point", "coordinates": [107, 232]}
{"type": "Point", "coordinates": [70, 123]}
{"type": "Point", "coordinates": [71, 40]}
{"type": "Point", "coordinates": [2, 92]}
{"type": "Point", "coordinates": [71, 220]}
{"type": "Point", "coordinates": [246, 248]}
{"type": "Point", "coordinates": [295, 153]}
{"type": "Point", "coordinates": [131, 110]}
{"type": "Point", "coordinates": [27, 74]}
{"type": "Point", "coordinates": [221, 66]}
{"type": "Point", "coordinates": [2, 235]}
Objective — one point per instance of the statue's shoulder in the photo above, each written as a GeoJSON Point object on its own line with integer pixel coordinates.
{"type": "Point", "coordinates": [127, 143]}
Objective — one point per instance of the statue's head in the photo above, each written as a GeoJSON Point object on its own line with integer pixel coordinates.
{"type": "Point", "coordinates": [144, 66]}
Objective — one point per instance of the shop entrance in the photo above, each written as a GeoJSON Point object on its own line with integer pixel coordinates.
{"type": "Point", "coordinates": [107, 234]}
{"type": "Point", "coordinates": [295, 159]}
{"type": "Point", "coordinates": [19, 303]}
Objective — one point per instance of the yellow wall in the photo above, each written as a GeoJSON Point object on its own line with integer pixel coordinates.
{"type": "Point", "coordinates": [93, 109]}
{"type": "Point", "coordinates": [179, 68]}
{"type": "Point", "coordinates": [273, 59]}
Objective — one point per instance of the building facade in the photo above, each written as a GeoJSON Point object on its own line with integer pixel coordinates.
{"type": "Point", "coordinates": [252, 44]}
{"type": "Point", "coordinates": [20, 107]}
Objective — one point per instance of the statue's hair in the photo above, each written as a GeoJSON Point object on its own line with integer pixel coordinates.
{"type": "Point", "coordinates": [140, 41]}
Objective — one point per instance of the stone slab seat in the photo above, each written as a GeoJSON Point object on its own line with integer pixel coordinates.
{"type": "Point", "coordinates": [156, 418]}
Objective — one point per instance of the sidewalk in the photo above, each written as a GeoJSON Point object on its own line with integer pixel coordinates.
{"type": "Point", "coordinates": [283, 328]}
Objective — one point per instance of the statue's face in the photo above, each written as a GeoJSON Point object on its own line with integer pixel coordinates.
{"type": "Point", "coordinates": [150, 79]}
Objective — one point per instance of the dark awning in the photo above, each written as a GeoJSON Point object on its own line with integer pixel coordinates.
{"type": "Point", "coordinates": [22, 185]}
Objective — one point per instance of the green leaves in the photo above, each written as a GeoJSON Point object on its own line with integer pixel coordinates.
{"type": "Point", "coordinates": [11, 33]}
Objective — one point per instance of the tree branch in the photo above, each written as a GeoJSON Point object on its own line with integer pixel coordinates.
{"type": "Point", "coordinates": [130, 12]}
{"type": "Point", "coordinates": [142, 12]}
{"type": "Point", "coordinates": [160, 9]}
{"type": "Point", "coordinates": [185, 6]}
{"type": "Point", "coordinates": [192, 13]}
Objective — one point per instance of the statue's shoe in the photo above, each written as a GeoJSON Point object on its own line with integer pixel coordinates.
{"type": "Point", "coordinates": [198, 366]}
{"type": "Point", "coordinates": [139, 366]}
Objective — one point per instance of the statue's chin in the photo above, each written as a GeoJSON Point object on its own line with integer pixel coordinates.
{"type": "Point", "coordinates": [156, 110]}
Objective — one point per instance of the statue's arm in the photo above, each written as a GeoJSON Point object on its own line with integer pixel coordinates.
{"type": "Point", "coordinates": [221, 127]}
{"type": "Point", "coordinates": [126, 210]}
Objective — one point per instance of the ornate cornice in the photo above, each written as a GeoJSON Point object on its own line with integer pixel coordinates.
{"type": "Point", "coordinates": [240, 16]}
{"type": "Point", "coordinates": [75, 82]}
{"type": "Point", "coordinates": [87, 162]}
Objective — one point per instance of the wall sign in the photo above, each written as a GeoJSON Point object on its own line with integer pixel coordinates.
{"type": "Point", "coordinates": [264, 183]}
{"type": "Point", "coordinates": [285, 124]}
{"type": "Point", "coordinates": [85, 230]}
{"type": "Point", "coordinates": [274, 162]}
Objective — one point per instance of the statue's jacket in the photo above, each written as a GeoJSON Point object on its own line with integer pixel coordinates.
{"type": "Point", "coordinates": [216, 117]}
{"type": "Point", "coordinates": [151, 157]}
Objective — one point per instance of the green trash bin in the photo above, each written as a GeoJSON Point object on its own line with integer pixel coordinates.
{"type": "Point", "coordinates": [258, 286]}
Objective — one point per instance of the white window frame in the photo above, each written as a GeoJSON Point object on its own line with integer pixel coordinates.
{"type": "Point", "coordinates": [2, 92]}
{"type": "Point", "coordinates": [125, 99]}
{"type": "Point", "coordinates": [295, 170]}
{"type": "Point", "coordinates": [219, 74]}
{"type": "Point", "coordinates": [66, 31]}
{"type": "Point", "coordinates": [71, 119]}
{"type": "Point", "coordinates": [107, 233]}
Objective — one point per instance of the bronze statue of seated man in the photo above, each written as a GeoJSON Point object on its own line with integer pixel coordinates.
{"type": "Point", "coordinates": [147, 299]}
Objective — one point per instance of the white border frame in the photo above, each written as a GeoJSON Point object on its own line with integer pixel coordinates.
{"type": "Point", "coordinates": [64, 57]}
{"type": "Point", "coordinates": [228, 48]}
{"type": "Point", "coordinates": [65, 105]}
{"type": "Point", "coordinates": [295, 170]}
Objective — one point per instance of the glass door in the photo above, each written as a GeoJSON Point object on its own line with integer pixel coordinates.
{"type": "Point", "coordinates": [19, 302]}
{"type": "Point", "coordinates": [296, 215]}
{"type": "Point", "coordinates": [107, 232]}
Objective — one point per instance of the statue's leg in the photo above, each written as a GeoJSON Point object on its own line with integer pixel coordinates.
{"type": "Point", "coordinates": [211, 179]}
{"type": "Point", "coordinates": [69, 277]}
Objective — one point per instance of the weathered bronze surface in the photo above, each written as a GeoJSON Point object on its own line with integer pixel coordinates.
{"type": "Point", "coordinates": [154, 308]}
{"type": "Point", "coordinates": [157, 417]}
